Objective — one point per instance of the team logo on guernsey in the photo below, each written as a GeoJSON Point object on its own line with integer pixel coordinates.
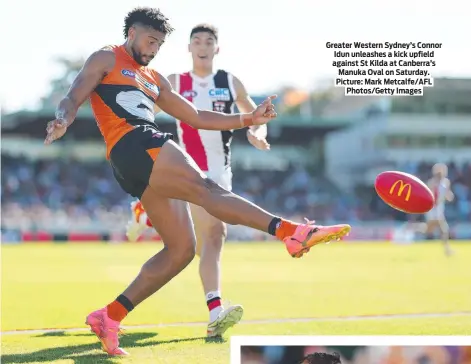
{"type": "Point", "coordinates": [219, 106]}
{"type": "Point", "coordinates": [154, 131]}
{"type": "Point", "coordinates": [220, 94]}
{"type": "Point", "coordinates": [128, 73]}
{"type": "Point", "coordinates": [189, 94]}
{"type": "Point", "coordinates": [154, 88]}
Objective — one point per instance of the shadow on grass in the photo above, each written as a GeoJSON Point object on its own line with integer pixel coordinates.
{"type": "Point", "coordinates": [79, 353]}
{"type": "Point", "coordinates": [53, 334]}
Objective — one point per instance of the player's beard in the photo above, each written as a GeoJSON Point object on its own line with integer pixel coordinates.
{"type": "Point", "coordinates": [139, 58]}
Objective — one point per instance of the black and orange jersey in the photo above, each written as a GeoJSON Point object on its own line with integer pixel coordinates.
{"type": "Point", "coordinates": [124, 98]}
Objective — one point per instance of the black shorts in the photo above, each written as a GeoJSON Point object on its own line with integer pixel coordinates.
{"type": "Point", "coordinates": [133, 156]}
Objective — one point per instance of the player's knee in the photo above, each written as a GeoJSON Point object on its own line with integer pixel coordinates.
{"type": "Point", "coordinates": [182, 252]}
{"type": "Point", "coordinates": [216, 233]}
{"type": "Point", "coordinates": [444, 228]}
{"type": "Point", "coordinates": [219, 228]}
{"type": "Point", "coordinates": [179, 256]}
{"type": "Point", "coordinates": [185, 252]}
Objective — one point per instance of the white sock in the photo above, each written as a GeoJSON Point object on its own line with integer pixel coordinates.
{"type": "Point", "coordinates": [211, 297]}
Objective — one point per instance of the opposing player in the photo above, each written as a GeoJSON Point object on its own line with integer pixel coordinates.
{"type": "Point", "coordinates": [435, 219]}
{"type": "Point", "coordinates": [151, 167]}
{"type": "Point", "coordinates": [219, 91]}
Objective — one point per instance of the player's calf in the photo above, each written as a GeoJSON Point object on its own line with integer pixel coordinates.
{"type": "Point", "coordinates": [227, 206]}
{"type": "Point", "coordinates": [445, 236]}
{"type": "Point", "coordinates": [161, 268]}
{"type": "Point", "coordinates": [444, 229]}
{"type": "Point", "coordinates": [212, 240]}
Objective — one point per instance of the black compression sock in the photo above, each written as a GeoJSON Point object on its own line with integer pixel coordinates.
{"type": "Point", "coordinates": [125, 302]}
{"type": "Point", "coordinates": [273, 225]}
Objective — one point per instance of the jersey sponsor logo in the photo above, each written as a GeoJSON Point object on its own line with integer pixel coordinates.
{"type": "Point", "coordinates": [189, 94]}
{"type": "Point", "coordinates": [219, 106]}
{"type": "Point", "coordinates": [128, 73]}
{"type": "Point", "coordinates": [220, 94]}
{"type": "Point", "coordinates": [154, 88]}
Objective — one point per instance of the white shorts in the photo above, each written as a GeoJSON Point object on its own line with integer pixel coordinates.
{"type": "Point", "coordinates": [435, 214]}
{"type": "Point", "coordinates": [222, 178]}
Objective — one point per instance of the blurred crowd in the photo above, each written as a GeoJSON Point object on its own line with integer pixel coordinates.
{"type": "Point", "coordinates": [56, 195]}
{"type": "Point", "coordinates": [356, 354]}
{"type": "Point", "coordinates": [60, 194]}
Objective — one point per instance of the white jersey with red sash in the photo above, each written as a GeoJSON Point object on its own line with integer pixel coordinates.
{"type": "Point", "coordinates": [211, 149]}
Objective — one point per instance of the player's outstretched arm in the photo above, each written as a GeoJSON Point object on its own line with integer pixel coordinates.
{"type": "Point", "coordinates": [178, 107]}
{"type": "Point", "coordinates": [256, 134]}
{"type": "Point", "coordinates": [172, 79]}
{"type": "Point", "coordinates": [449, 196]}
{"type": "Point", "coordinates": [91, 74]}
{"type": "Point", "coordinates": [245, 104]}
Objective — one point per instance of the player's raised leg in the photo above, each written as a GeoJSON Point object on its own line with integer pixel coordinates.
{"type": "Point", "coordinates": [185, 181]}
{"type": "Point", "coordinates": [173, 221]}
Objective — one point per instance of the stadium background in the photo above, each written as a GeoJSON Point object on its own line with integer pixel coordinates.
{"type": "Point", "coordinates": [326, 152]}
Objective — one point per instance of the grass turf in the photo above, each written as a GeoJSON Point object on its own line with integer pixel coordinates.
{"type": "Point", "coordinates": [56, 285]}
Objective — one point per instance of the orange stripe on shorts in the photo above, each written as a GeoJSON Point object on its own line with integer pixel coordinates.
{"type": "Point", "coordinates": [154, 152]}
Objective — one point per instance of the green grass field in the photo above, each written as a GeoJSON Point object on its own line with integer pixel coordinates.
{"type": "Point", "coordinates": [56, 285]}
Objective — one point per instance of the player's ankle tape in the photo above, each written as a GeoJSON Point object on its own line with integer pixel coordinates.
{"type": "Point", "coordinates": [273, 225]}
{"type": "Point", "coordinates": [127, 304]}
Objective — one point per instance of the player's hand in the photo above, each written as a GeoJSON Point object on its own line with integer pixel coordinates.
{"type": "Point", "coordinates": [257, 140]}
{"type": "Point", "coordinates": [55, 130]}
{"type": "Point", "coordinates": [450, 196]}
{"type": "Point", "coordinates": [264, 112]}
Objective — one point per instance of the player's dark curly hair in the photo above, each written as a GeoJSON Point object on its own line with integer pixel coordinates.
{"type": "Point", "coordinates": [321, 358]}
{"type": "Point", "coordinates": [146, 16]}
{"type": "Point", "coordinates": [204, 27]}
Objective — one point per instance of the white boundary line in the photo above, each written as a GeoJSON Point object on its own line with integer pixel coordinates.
{"type": "Point", "coordinates": [238, 341]}
{"type": "Point", "coordinates": [253, 322]}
